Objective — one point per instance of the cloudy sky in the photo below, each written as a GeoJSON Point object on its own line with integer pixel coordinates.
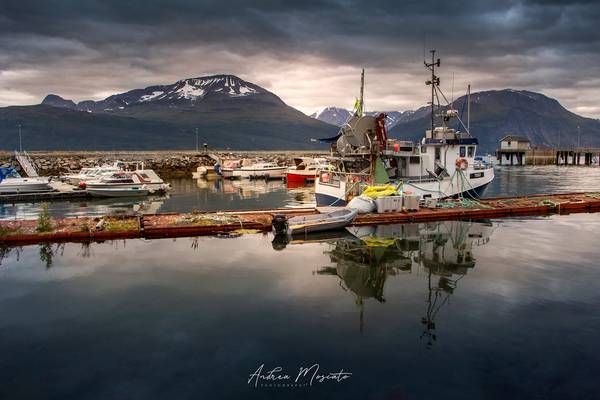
{"type": "Point", "coordinates": [308, 52]}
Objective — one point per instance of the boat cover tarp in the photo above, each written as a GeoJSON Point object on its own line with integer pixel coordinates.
{"type": "Point", "coordinates": [330, 139]}
{"type": "Point", "coordinates": [5, 172]}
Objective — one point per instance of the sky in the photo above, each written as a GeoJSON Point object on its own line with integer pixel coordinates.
{"type": "Point", "coordinates": [309, 52]}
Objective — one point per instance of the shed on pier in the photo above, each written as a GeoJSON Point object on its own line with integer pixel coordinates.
{"type": "Point", "coordinates": [512, 150]}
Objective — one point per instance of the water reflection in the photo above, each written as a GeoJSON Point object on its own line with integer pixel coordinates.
{"type": "Point", "coordinates": [197, 315]}
{"type": "Point", "coordinates": [363, 258]}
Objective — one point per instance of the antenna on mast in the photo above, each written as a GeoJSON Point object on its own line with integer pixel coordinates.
{"type": "Point", "coordinates": [452, 101]}
{"type": "Point", "coordinates": [434, 82]}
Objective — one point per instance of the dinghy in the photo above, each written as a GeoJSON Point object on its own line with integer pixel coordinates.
{"type": "Point", "coordinates": [304, 224]}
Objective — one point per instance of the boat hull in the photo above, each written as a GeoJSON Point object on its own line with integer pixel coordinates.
{"type": "Point", "coordinates": [242, 173]}
{"type": "Point", "coordinates": [298, 177]}
{"type": "Point", "coordinates": [122, 192]}
{"type": "Point", "coordinates": [24, 185]}
{"type": "Point", "coordinates": [336, 195]}
{"type": "Point", "coordinates": [152, 187]}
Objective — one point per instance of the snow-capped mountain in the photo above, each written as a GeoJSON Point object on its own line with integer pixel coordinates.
{"type": "Point", "coordinates": [338, 116]}
{"type": "Point", "coordinates": [185, 92]}
{"type": "Point", "coordinates": [222, 110]}
{"type": "Point", "coordinates": [332, 115]}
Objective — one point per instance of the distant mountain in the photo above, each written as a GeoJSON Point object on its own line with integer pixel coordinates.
{"type": "Point", "coordinates": [227, 112]}
{"type": "Point", "coordinates": [338, 116]}
{"type": "Point", "coordinates": [332, 115]}
{"type": "Point", "coordinates": [496, 113]}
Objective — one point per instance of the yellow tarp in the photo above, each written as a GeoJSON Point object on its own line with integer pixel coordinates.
{"type": "Point", "coordinates": [374, 241]}
{"type": "Point", "coordinates": [380, 191]}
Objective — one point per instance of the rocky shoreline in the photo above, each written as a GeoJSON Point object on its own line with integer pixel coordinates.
{"type": "Point", "coordinates": [166, 163]}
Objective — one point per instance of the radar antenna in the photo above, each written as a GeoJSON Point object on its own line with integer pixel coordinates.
{"type": "Point", "coordinates": [434, 82]}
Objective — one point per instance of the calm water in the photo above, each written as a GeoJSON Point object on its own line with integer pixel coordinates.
{"type": "Point", "coordinates": [455, 310]}
{"type": "Point", "coordinates": [189, 194]}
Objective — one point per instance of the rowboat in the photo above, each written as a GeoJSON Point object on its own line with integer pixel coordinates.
{"type": "Point", "coordinates": [304, 224]}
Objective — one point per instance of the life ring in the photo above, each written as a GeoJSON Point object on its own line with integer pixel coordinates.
{"type": "Point", "coordinates": [462, 163]}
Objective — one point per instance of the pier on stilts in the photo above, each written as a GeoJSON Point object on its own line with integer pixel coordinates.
{"type": "Point", "coordinates": [150, 226]}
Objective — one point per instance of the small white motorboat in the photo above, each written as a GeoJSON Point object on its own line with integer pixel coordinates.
{"type": "Point", "coordinates": [266, 170]}
{"type": "Point", "coordinates": [304, 224]}
{"type": "Point", "coordinates": [245, 169]}
{"type": "Point", "coordinates": [201, 172]}
{"type": "Point", "coordinates": [130, 179]}
{"type": "Point", "coordinates": [119, 192]}
{"type": "Point", "coordinates": [92, 173]}
{"type": "Point", "coordinates": [12, 182]}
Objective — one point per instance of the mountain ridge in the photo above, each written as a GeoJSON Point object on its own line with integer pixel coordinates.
{"type": "Point", "coordinates": [495, 113]}
{"type": "Point", "coordinates": [226, 111]}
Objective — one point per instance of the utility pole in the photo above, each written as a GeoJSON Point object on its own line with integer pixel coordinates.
{"type": "Point", "coordinates": [434, 82]}
{"type": "Point", "coordinates": [20, 141]}
{"type": "Point", "coordinates": [196, 140]}
{"type": "Point", "coordinates": [578, 136]}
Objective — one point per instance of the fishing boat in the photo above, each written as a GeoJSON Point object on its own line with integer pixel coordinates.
{"type": "Point", "coordinates": [304, 224]}
{"type": "Point", "coordinates": [305, 169]}
{"type": "Point", "coordinates": [442, 165]}
{"type": "Point", "coordinates": [129, 180]}
{"type": "Point", "coordinates": [119, 192]}
{"type": "Point", "coordinates": [12, 182]}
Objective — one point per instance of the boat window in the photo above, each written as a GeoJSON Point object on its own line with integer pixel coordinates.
{"type": "Point", "coordinates": [462, 151]}
{"type": "Point", "coordinates": [424, 149]}
{"type": "Point", "coordinates": [471, 151]}
{"type": "Point", "coordinates": [438, 154]}
{"type": "Point", "coordinates": [414, 160]}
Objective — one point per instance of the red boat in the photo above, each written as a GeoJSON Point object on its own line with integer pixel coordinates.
{"type": "Point", "coordinates": [305, 169]}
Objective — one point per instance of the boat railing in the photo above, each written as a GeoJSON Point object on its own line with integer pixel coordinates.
{"type": "Point", "coordinates": [334, 178]}
{"type": "Point", "coordinates": [26, 163]}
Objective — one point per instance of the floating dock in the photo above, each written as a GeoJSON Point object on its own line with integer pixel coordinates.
{"type": "Point", "coordinates": [150, 226]}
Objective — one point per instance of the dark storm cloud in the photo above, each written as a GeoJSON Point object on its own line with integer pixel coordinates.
{"type": "Point", "coordinates": [543, 45]}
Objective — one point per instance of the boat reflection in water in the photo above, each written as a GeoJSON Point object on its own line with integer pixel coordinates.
{"type": "Point", "coordinates": [363, 258]}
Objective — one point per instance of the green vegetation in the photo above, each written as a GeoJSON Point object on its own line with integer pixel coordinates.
{"type": "Point", "coordinates": [121, 225]}
{"type": "Point", "coordinates": [45, 220]}
{"type": "Point", "coordinates": [8, 231]}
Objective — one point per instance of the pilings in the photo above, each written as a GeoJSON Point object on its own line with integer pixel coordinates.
{"type": "Point", "coordinates": [544, 156]}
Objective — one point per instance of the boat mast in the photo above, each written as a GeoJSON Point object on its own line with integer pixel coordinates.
{"type": "Point", "coordinates": [434, 82]}
{"type": "Point", "coordinates": [361, 104]}
{"type": "Point", "coordinates": [469, 108]}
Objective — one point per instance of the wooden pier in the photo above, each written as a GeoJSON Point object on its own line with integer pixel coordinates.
{"type": "Point", "coordinates": [20, 232]}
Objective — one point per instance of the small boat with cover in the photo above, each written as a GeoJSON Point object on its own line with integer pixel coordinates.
{"type": "Point", "coordinates": [303, 224]}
